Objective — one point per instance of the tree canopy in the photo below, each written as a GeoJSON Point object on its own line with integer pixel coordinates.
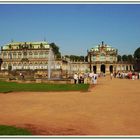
{"type": "Point", "coordinates": [137, 54]}
{"type": "Point", "coordinates": [119, 58]}
{"type": "Point", "coordinates": [55, 49]}
{"type": "Point", "coordinates": [76, 58]}
{"type": "Point", "coordinates": [130, 58]}
{"type": "Point", "coordinates": [124, 58]}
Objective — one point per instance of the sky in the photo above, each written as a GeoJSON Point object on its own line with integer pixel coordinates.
{"type": "Point", "coordinates": [75, 28]}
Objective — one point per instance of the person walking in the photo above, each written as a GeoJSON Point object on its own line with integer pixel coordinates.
{"type": "Point", "coordinates": [75, 78]}
{"type": "Point", "coordinates": [111, 76]}
{"type": "Point", "coordinates": [94, 79]}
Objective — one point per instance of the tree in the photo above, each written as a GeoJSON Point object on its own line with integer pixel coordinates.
{"type": "Point", "coordinates": [86, 58]}
{"type": "Point", "coordinates": [137, 54]}
{"type": "Point", "coordinates": [124, 58]}
{"type": "Point", "coordinates": [137, 59]}
{"type": "Point", "coordinates": [72, 58]}
{"type": "Point", "coordinates": [67, 56]}
{"type": "Point", "coordinates": [55, 49]}
{"type": "Point", "coordinates": [130, 58]}
{"type": "Point", "coordinates": [82, 58]}
{"type": "Point", "coordinates": [119, 58]}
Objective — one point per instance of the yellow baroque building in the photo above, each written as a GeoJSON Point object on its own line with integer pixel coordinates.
{"type": "Point", "coordinates": [103, 59]}
{"type": "Point", "coordinates": [37, 56]}
{"type": "Point", "coordinates": [26, 55]}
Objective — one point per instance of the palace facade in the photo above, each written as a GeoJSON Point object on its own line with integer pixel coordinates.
{"type": "Point", "coordinates": [26, 55]}
{"type": "Point", "coordinates": [39, 56]}
{"type": "Point", "coordinates": [103, 59]}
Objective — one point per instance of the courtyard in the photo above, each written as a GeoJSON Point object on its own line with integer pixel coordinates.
{"type": "Point", "coordinates": [112, 107]}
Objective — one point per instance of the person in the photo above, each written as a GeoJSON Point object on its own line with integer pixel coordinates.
{"type": "Point", "coordinates": [111, 75]}
{"type": "Point", "coordinates": [21, 75]}
{"type": "Point", "coordinates": [91, 77]}
{"type": "Point", "coordinates": [75, 78]}
{"type": "Point", "coordinates": [133, 76]}
{"type": "Point", "coordinates": [94, 79]}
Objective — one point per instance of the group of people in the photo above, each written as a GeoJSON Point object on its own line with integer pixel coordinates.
{"type": "Point", "coordinates": [126, 75]}
{"type": "Point", "coordinates": [87, 78]}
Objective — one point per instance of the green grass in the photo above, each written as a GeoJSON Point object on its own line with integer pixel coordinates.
{"type": "Point", "coordinates": [6, 87]}
{"type": "Point", "coordinates": [11, 130]}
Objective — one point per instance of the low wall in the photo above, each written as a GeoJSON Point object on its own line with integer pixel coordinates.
{"type": "Point", "coordinates": [61, 81]}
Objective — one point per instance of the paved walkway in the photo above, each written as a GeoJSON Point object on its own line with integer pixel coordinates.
{"type": "Point", "coordinates": [110, 108]}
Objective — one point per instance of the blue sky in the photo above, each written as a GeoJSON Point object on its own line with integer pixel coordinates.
{"type": "Point", "coordinates": [73, 27]}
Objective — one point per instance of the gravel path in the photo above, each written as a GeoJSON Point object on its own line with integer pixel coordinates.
{"type": "Point", "coordinates": [110, 108]}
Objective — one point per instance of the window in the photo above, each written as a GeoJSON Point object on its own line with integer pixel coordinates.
{"type": "Point", "coordinates": [35, 55]}
{"type": "Point", "coordinates": [14, 55]}
{"type": "Point", "coordinates": [4, 55]}
{"type": "Point", "coordinates": [30, 54]}
{"type": "Point", "coordinates": [19, 55]}
{"type": "Point", "coordinates": [102, 57]}
{"type": "Point", "coordinates": [111, 58]}
{"type": "Point", "coordinates": [41, 55]}
{"type": "Point", "coordinates": [94, 58]}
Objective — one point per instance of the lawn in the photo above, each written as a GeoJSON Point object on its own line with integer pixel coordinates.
{"type": "Point", "coordinates": [11, 130]}
{"type": "Point", "coordinates": [6, 87]}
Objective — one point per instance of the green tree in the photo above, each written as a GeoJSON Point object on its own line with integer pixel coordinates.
{"type": "Point", "coordinates": [76, 58]}
{"type": "Point", "coordinates": [124, 58]}
{"type": "Point", "coordinates": [86, 58]}
{"type": "Point", "coordinates": [55, 49]}
{"type": "Point", "coordinates": [130, 58]}
{"type": "Point", "coordinates": [67, 56]}
{"type": "Point", "coordinates": [72, 57]}
{"type": "Point", "coordinates": [82, 58]}
{"type": "Point", "coordinates": [137, 54]}
{"type": "Point", "coordinates": [119, 58]}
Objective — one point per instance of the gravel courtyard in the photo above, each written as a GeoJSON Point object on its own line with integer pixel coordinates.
{"type": "Point", "coordinates": [110, 108]}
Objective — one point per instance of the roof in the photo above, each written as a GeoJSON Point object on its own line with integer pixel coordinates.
{"type": "Point", "coordinates": [108, 48]}
{"type": "Point", "coordinates": [36, 45]}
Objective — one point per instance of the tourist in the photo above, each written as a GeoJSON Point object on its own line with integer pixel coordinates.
{"type": "Point", "coordinates": [91, 77]}
{"type": "Point", "coordinates": [94, 79]}
{"type": "Point", "coordinates": [75, 78]}
{"type": "Point", "coordinates": [111, 76]}
{"type": "Point", "coordinates": [115, 74]}
{"type": "Point", "coordinates": [86, 78]}
{"type": "Point", "coordinates": [133, 76]}
{"type": "Point", "coordinates": [21, 75]}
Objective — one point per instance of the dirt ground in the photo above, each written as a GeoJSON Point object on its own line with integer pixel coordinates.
{"type": "Point", "coordinates": [110, 108]}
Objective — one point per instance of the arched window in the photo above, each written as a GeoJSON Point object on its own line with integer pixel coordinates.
{"type": "Point", "coordinates": [30, 54]}
{"type": "Point", "coordinates": [102, 57]}
{"type": "Point", "coordinates": [94, 58]}
{"type": "Point", "coordinates": [19, 55]}
{"type": "Point", "coordinates": [4, 55]}
{"type": "Point", "coordinates": [35, 55]}
{"type": "Point", "coordinates": [4, 65]}
{"type": "Point", "coordinates": [41, 55]}
{"type": "Point", "coordinates": [14, 55]}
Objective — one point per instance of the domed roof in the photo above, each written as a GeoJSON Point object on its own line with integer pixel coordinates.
{"type": "Point", "coordinates": [107, 47]}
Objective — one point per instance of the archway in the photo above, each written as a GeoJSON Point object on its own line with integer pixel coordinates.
{"type": "Point", "coordinates": [94, 69]}
{"type": "Point", "coordinates": [103, 68]}
{"type": "Point", "coordinates": [111, 69]}
{"type": "Point", "coordinates": [130, 68]}
{"type": "Point", "coordinates": [126, 68]}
